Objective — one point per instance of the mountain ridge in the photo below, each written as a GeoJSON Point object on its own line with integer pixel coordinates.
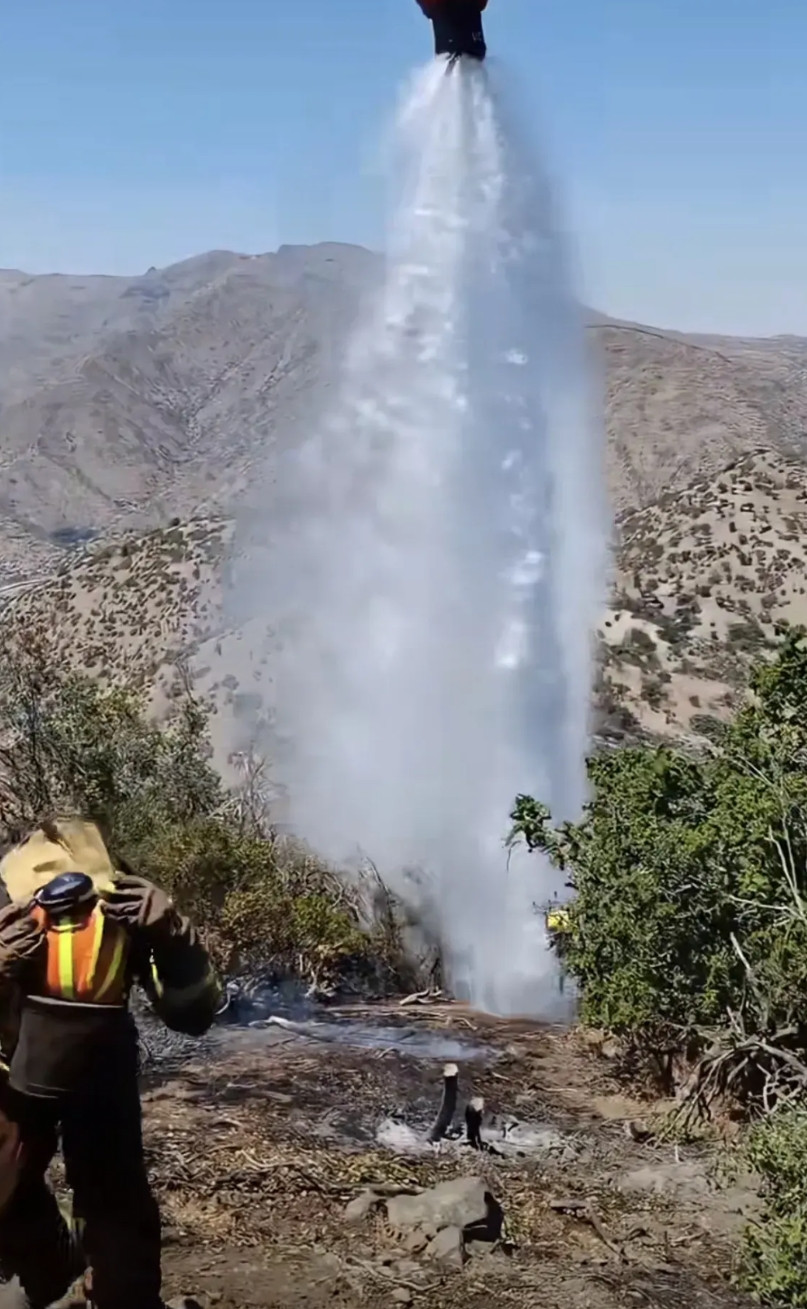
{"type": "Point", "coordinates": [126, 402]}
{"type": "Point", "coordinates": [130, 408]}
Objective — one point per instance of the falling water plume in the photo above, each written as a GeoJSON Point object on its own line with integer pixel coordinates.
{"type": "Point", "coordinates": [438, 568]}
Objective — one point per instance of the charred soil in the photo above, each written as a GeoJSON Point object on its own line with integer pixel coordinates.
{"type": "Point", "coordinates": [258, 1146]}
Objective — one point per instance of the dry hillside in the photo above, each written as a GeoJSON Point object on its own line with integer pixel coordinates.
{"type": "Point", "coordinates": [134, 610]}
{"type": "Point", "coordinates": [679, 407]}
{"type": "Point", "coordinates": [127, 402]}
{"type": "Point", "coordinates": [701, 579]}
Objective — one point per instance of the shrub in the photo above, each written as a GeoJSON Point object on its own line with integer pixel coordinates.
{"type": "Point", "coordinates": [644, 916]}
{"type": "Point", "coordinates": [773, 1264]}
{"type": "Point", "coordinates": [690, 877]}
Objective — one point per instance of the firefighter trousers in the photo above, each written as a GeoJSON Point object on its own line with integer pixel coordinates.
{"type": "Point", "coordinates": [102, 1145]}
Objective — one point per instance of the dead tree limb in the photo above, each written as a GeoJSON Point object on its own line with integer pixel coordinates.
{"type": "Point", "coordinates": [762, 1072]}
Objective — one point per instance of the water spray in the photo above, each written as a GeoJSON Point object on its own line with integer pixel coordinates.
{"type": "Point", "coordinates": [437, 571]}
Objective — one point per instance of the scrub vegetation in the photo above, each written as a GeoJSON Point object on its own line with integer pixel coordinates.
{"type": "Point", "coordinates": [688, 936]}
{"type": "Point", "coordinates": [263, 901]}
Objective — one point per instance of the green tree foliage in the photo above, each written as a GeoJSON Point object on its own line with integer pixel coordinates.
{"type": "Point", "coordinates": [689, 873]}
{"type": "Point", "coordinates": [688, 931]}
{"type": "Point", "coordinates": [774, 1257]}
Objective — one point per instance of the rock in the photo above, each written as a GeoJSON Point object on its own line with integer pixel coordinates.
{"type": "Point", "coordinates": [465, 1203]}
{"type": "Point", "coordinates": [687, 1181]}
{"type": "Point", "coordinates": [279, 1097]}
{"type": "Point", "coordinates": [723, 1209]}
{"type": "Point", "coordinates": [593, 1037]}
{"type": "Point", "coordinates": [401, 1296]}
{"type": "Point", "coordinates": [362, 1205]}
{"type": "Point", "coordinates": [416, 1241]}
{"type": "Point", "coordinates": [448, 1247]}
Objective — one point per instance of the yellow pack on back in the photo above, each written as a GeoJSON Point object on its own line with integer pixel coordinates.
{"type": "Point", "coordinates": [38, 859]}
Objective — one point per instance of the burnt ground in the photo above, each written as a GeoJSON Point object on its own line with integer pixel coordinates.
{"type": "Point", "coordinates": [257, 1146]}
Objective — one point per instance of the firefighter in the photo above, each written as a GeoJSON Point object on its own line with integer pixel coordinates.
{"type": "Point", "coordinates": [557, 920]}
{"type": "Point", "coordinates": [75, 935]}
{"type": "Point", "coordinates": [457, 26]}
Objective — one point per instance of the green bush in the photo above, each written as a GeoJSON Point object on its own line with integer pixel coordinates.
{"type": "Point", "coordinates": [689, 874]}
{"type": "Point", "coordinates": [688, 933]}
{"type": "Point", "coordinates": [773, 1264]}
{"type": "Point", "coordinates": [645, 944]}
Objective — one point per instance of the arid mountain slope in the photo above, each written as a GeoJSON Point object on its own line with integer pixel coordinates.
{"type": "Point", "coordinates": [125, 403]}
{"type": "Point", "coordinates": [701, 579]}
{"type": "Point", "coordinates": [132, 611]}
{"type": "Point", "coordinates": [683, 407]}
{"type": "Point", "coordinates": [128, 403]}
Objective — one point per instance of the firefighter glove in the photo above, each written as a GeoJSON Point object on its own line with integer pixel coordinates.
{"type": "Point", "coordinates": [139, 905]}
{"type": "Point", "coordinates": [20, 938]}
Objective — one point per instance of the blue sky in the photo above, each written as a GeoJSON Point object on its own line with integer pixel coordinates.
{"type": "Point", "coordinates": [137, 132]}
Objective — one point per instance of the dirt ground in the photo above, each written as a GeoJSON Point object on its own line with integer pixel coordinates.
{"type": "Point", "coordinates": [257, 1149]}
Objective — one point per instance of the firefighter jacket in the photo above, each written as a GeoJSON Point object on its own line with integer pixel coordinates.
{"type": "Point", "coordinates": [64, 995]}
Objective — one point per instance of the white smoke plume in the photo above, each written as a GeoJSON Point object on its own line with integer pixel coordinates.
{"type": "Point", "coordinates": [437, 569]}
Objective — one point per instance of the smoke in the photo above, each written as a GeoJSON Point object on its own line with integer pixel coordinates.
{"type": "Point", "coordinates": [436, 548]}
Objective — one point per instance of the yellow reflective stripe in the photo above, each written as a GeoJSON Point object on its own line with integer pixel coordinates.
{"type": "Point", "coordinates": [184, 995]}
{"type": "Point", "coordinates": [116, 966]}
{"type": "Point", "coordinates": [64, 946]}
{"type": "Point", "coordinates": [64, 936]}
{"type": "Point", "coordinates": [97, 940]}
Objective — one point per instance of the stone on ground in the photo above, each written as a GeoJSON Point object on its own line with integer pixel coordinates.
{"type": "Point", "coordinates": [464, 1203]}
{"type": "Point", "coordinates": [448, 1247]}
